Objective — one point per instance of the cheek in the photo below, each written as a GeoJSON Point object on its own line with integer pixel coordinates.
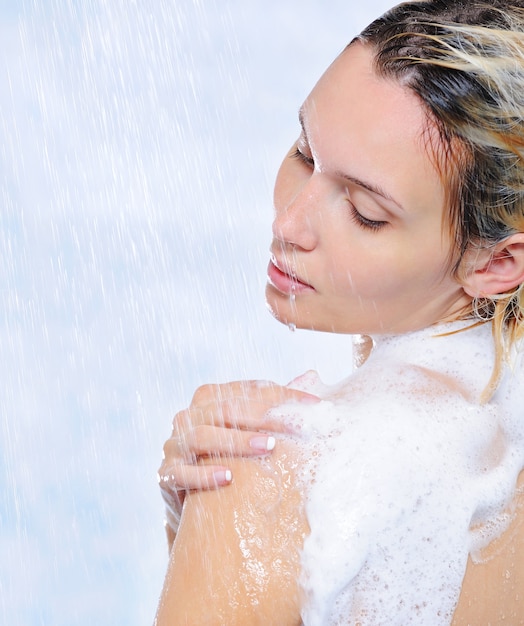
{"type": "Point", "coordinates": [371, 269]}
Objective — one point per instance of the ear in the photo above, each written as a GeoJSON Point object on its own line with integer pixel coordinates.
{"type": "Point", "coordinates": [497, 270]}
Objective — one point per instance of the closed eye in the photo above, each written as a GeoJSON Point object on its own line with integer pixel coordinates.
{"type": "Point", "coordinates": [365, 222]}
{"type": "Point", "coordinates": [297, 154]}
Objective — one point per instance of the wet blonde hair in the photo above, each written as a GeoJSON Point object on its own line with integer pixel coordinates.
{"type": "Point", "coordinates": [465, 61]}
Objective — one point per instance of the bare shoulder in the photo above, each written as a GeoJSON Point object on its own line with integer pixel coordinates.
{"type": "Point", "coordinates": [493, 590]}
{"type": "Point", "coordinates": [236, 556]}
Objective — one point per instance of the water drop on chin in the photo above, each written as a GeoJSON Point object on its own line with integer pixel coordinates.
{"type": "Point", "coordinates": [292, 298]}
{"type": "Point", "coordinates": [292, 327]}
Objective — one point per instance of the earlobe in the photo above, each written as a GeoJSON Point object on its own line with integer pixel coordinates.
{"type": "Point", "coordinates": [499, 271]}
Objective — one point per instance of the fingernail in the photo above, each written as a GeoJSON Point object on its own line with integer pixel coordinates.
{"type": "Point", "coordinates": [309, 399]}
{"type": "Point", "coordinates": [262, 444]}
{"type": "Point", "coordinates": [222, 477]}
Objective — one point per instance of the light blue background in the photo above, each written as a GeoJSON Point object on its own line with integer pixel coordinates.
{"type": "Point", "coordinates": [138, 144]}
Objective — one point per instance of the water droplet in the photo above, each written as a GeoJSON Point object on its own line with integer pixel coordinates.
{"type": "Point", "coordinates": [292, 327]}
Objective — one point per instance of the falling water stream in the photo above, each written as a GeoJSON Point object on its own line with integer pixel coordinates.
{"type": "Point", "coordinates": [139, 140]}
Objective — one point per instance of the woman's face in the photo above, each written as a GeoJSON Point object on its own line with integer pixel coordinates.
{"type": "Point", "coordinates": [360, 238]}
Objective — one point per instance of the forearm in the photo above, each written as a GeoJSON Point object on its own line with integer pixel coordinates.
{"type": "Point", "coordinates": [235, 559]}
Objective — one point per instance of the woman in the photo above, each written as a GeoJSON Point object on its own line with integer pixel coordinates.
{"type": "Point", "coordinates": [391, 497]}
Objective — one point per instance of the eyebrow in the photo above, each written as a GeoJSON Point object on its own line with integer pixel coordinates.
{"type": "Point", "coordinates": [376, 189]}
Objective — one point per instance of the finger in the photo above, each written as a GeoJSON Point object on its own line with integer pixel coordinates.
{"type": "Point", "coordinates": [254, 412]}
{"type": "Point", "coordinates": [176, 450]}
{"type": "Point", "coordinates": [171, 526]}
{"type": "Point", "coordinates": [243, 406]}
{"type": "Point", "coordinates": [174, 478]}
{"type": "Point", "coordinates": [226, 391]}
{"type": "Point", "coordinates": [211, 440]}
{"type": "Point", "coordinates": [240, 413]}
{"type": "Point", "coordinates": [231, 413]}
{"type": "Point", "coordinates": [172, 494]}
{"type": "Point", "coordinates": [256, 390]}
{"type": "Point", "coordinates": [205, 441]}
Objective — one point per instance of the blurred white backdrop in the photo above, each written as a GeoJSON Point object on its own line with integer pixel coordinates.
{"type": "Point", "coordinates": [138, 143]}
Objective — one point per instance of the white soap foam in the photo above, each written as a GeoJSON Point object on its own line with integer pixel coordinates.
{"type": "Point", "coordinates": [407, 473]}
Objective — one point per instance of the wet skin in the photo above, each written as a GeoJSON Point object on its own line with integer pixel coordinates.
{"type": "Point", "coordinates": [360, 245]}
{"type": "Point", "coordinates": [360, 238]}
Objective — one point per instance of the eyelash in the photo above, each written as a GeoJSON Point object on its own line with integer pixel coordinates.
{"type": "Point", "coordinates": [357, 217]}
{"type": "Point", "coordinates": [303, 158]}
{"type": "Point", "coordinates": [364, 222]}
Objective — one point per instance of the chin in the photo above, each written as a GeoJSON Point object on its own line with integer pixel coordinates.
{"type": "Point", "coordinates": [283, 314]}
{"type": "Point", "coordinates": [289, 317]}
{"type": "Point", "coordinates": [278, 314]}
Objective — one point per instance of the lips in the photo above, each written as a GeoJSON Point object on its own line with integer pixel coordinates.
{"type": "Point", "coordinates": [284, 281]}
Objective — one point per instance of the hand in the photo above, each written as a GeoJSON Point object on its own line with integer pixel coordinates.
{"type": "Point", "coordinates": [222, 421]}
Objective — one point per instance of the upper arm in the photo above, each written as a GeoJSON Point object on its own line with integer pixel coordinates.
{"type": "Point", "coordinates": [493, 589]}
{"type": "Point", "coordinates": [235, 559]}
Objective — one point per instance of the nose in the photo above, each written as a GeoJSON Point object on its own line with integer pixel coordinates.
{"type": "Point", "coordinates": [297, 213]}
